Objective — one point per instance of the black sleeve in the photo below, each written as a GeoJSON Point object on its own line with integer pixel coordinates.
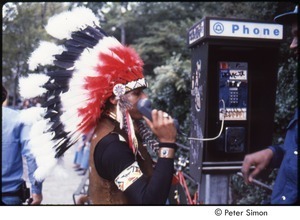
{"type": "Point", "coordinates": [112, 158]}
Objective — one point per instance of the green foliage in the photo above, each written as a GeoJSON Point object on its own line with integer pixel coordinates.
{"type": "Point", "coordinates": [241, 10]}
{"type": "Point", "coordinates": [286, 96]}
{"type": "Point", "coordinates": [23, 27]}
{"type": "Point", "coordinates": [174, 73]}
{"type": "Point", "coordinates": [251, 194]}
{"type": "Point", "coordinates": [170, 91]}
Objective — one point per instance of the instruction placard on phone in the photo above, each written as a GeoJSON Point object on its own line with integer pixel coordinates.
{"type": "Point", "coordinates": [233, 89]}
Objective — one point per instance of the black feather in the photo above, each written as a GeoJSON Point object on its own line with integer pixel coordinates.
{"type": "Point", "coordinates": [59, 82]}
{"type": "Point", "coordinates": [51, 113]}
{"type": "Point", "coordinates": [56, 126]}
{"type": "Point", "coordinates": [74, 43]}
{"type": "Point", "coordinates": [60, 134]}
{"type": "Point", "coordinates": [51, 86]}
{"type": "Point", "coordinates": [95, 32]}
{"type": "Point", "coordinates": [57, 87]}
{"type": "Point", "coordinates": [84, 39]}
{"type": "Point", "coordinates": [61, 73]}
{"type": "Point", "coordinates": [51, 101]}
{"type": "Point", "coordinates": [62, 147]}
{"type": "Point", "coordinates": [63, 64]}
{"type": "Point", "coordinates": [74, 49]}
{"type": "Point", "coordinates": [67, 56]}
{"type": "Point", "coordinates": [102, 31]}
{"type": "Point", "coordinates": [56, 107]}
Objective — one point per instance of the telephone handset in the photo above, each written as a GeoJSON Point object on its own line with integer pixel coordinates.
{"type": "Point", "coordinates": [144, 107]}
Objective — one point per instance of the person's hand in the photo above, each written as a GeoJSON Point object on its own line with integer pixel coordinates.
{"type": "Point", "coordinates": [162, 126]}
{"type": "Point", "coordinates": [259, 160]}
{"type": "Point", "coordinates": [36, 199]}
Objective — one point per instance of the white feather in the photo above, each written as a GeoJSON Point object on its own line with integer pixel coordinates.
{"type": "Point", "coordinates": [39, 128]}
{"type": "Point", "coordinates": [74, 98]}
{"type": "Point", "coordinates": [62, 25]}
{"type": "Point", "coordinates": [88, 60]}
{"type": "Point", "coordinates": [42, 148]}
{"type": "Point", "coordinates": [44, 54]}
{"type": "Point", "coordinates": [51, 166]}
{"type": "Point", "coordinates": [71, 123]}
{"type": "Point", "coordinates": [60, 170]}
{"type": "Point", "coordinates": [42, 172]}
{"type": "Point", "coordinates": [47, 163]}
{"type": "Point", "coordinates": [77, 96]}
{"type": "Point", "coordinates": [43, 141]}
{"type": "Point", "coordinates": [75, 137]}
{"type": "Point", "coordinates": [32, 115]}
{"type": "Point", "coordinates": [31, 86]}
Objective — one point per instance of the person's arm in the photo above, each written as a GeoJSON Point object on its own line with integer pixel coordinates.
{"type": "Point", "coordinates": [156, 189]}
{"type": "Point", "coordinates": [36, 187]}
{"type": "Point", "coordinates": [126, 172]}
{"type": "Point", "coordinates": [116, 157]}
{"type": "Point", "coordinates": [260, 160]}
{"type": "Point", "coordinates": [278, 153]}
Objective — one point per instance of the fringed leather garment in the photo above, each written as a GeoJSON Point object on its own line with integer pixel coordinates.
{"type": "Point", "coordinates": [102, 191]}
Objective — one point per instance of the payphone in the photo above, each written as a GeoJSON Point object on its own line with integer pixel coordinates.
{"type": "Point", "coordinates": [234, 74]}
{"type": "Point", "coordinates": [233, 90]}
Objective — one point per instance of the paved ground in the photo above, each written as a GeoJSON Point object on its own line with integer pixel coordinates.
{"type": "Point", "coordinates": [58, 190]}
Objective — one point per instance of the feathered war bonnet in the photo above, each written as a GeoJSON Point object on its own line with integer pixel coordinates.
{"type": "Point", "coordinates": [87, 69]}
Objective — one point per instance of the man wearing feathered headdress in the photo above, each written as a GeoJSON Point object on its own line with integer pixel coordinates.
{"type": "Point", "coordinates": [95, 88]}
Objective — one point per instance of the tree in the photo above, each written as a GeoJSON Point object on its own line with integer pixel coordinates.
{"type": "Point", "coordinates": [22, 29]}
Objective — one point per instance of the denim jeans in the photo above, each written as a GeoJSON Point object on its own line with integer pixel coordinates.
{"type": "Point", "coordinates": [11, 200]}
